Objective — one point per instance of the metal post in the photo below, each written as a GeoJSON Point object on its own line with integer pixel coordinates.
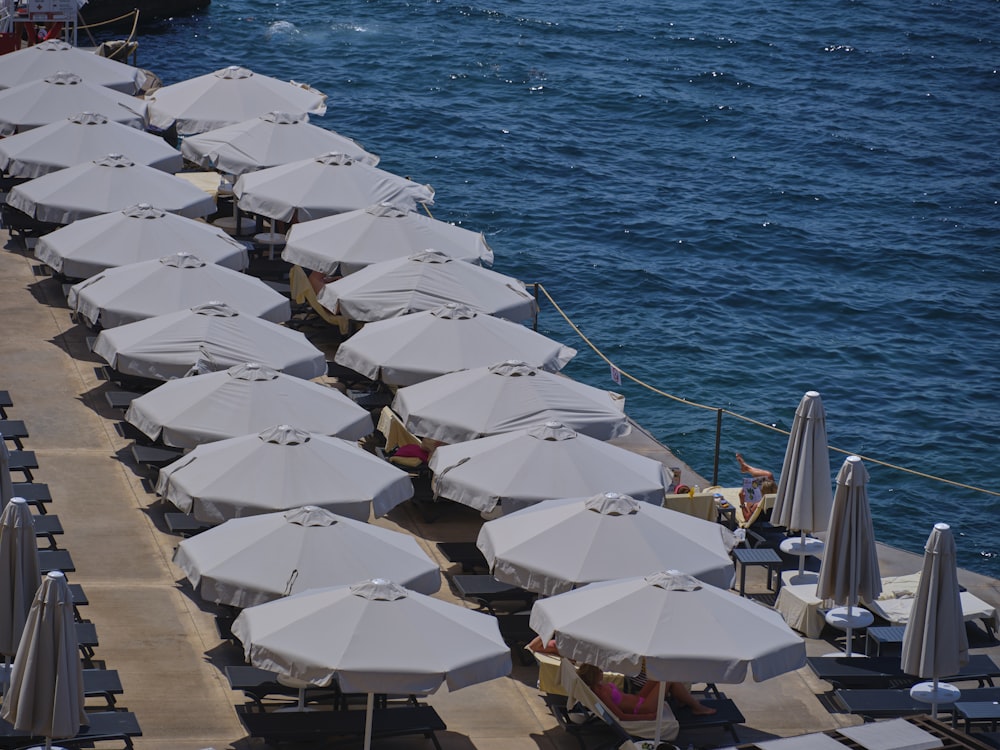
{"type": "Point", "coordinates": [534, 323]}
{"type": "Point", "coordinates": [718, 443]}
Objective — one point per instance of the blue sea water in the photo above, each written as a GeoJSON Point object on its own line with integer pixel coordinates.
{"type": "Point", "coordinates": [736, 201]}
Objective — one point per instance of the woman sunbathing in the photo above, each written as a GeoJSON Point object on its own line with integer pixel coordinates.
{"type": "Point", "coordinates": [637, 706]}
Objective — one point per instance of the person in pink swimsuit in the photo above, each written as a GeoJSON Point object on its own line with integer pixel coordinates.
{"type": "Point", "coordinates": [637, 706]}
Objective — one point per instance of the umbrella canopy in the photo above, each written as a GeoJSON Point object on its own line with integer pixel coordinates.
{"type": "Point", "coordinates": [347, 242]}
{"type": "Point", "coordinates": [137, 233]}
{"type": "Point", "coordinates": [19, 573]}
{"type": "Point", "coordinates": [249, 561]}
{"type": "Point", "coordinates": [323, 185]}
{"type": "Point", "coordinates": [61, 95]}
{"type": "Point", "coordinates": [54, 56]}
{"type": "Point", "coordinates": [210, 337]}
{"type": "Point", "coordinates": [561, 544]}
{"type": "Point", "coordinates": [82, 138]}
{"type": "Point", "coordinates": [548, 461]}
{"type": "Point", "coordinates": [504, 397]}
{"type": "Point", "coordinates": [242, 399]}
{"type": "Point", "coordinates": [425, 281]}
{"type": "Point", "coordinates": [226, 97]}
{"type": "Point", "coordinates": [423, 345]}
{"type": "Point", "coordinates": [279, 469]}
{"type": "Point", "coordinates": [269, 140]}
{"type": "Point", "coordinates": [45, 696]}
{"type": "Point", "coordinates": [804, 497]}
{"type": "Point", "coordinates": [175, 282]}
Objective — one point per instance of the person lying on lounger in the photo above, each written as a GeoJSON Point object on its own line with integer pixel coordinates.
{"type": "Point", "coordinates": [637, 706]}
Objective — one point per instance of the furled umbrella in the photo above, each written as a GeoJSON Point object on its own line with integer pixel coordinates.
{"type": "Point", "coordinates": [548, 461]}
{"type": "Point", "coordinates": [559, 545]}
{"type": "Point", "coordinates": [507, 396]}
{"type": "Point", "coordinates": [328, 184]}
{"type": "Point", "coordinates": [244, 398]}
{"type": "Point", "coordinates": [935, 642]}
{"type": "Point", "coordinates": [850, 573]}
{"type": "Point", "coordinates": [249, 561]}
{"type": "Point", "coordinates": [420, 346]}
{"type": "Point", "coordinates": [136, 233]}
{"type": "Point", "coordinates": [373, 637]}
{"type": "Point", "coordinates": [347, 242]}
{"type": "Point", "coordinates": [54, 56]}
{"type": "Point", "coordinates": [206, 338]}
{"type": "Point", "coordinates": [19, 574]}
{"type": "Point", "coordinates": [174, 282]}
{"type": "Point", "coordinates": [278, 469]}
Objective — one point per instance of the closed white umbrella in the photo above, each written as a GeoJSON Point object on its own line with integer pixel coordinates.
{"type": "Point", "coordinates": [279, 469]}
{"type": "Point", "coordinates": [53, 56]}
{"type": "Point", "coordinates": [244, 398]}
{"type": "Point", "coordinates": [61, 95]}
{"type": "Point", "coordinates": [249, 561]}
{"type": "Point", "coordinates": [347, 242]}
{"type": "Point", "coordinates": [19, 574]}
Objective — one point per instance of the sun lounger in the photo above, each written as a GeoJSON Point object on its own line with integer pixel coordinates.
{"type": "Point", "coordinates": [898, 593]}
{"type": "Point", "coordinates": [517, 633]}
{"type": "Point", "coordinates": [55, 559]}
{"type": "Point", "coordinates": [884, 704]}
{"type": "Point", "coordinates": [6, 402]}
{"type": "Point", "coordinates": [97, 683]}
{"type": "Point", "coordinates": [153, 456]}
{"type": "Point", "coordinates": [846, 672]}
{"type": "Point", "coordinates": [14, 430]}
{"type": "Point", "coordinates": [466, 554]}
{"type": "Point", "coordinates": [184, 524]}
{"type": "Point", "coordinates": [24, 462]}
{"type": "Point", "coordinates": [488, 592]}
{"type": "Point", "coordinates": [36, 493]}
{"type": "Point", "coordinates": [48, 527]}
{"type": "Point", "coordinates": [121, 400]}
{"type": "Point", "coordinates": [104, 726]}
{"type": "Point", "coordinates": [259, 684]}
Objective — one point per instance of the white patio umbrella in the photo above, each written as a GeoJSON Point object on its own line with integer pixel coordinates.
{"type": "Point", "coordinates": [272, 139]}
{"type": "Point", "coordinates": [507, 396]}
{"type": "Point", "coordinates": [54, 56]}
{"type": "Point", "coordinates": [139, 232]}
{"type": "Point", "coordinates": [558, 545]}
{"type": "Point", "coordinates": [373, 637]}
{"type": "Point", "coordinates": [548, 461]}
{"type": "Point", "coordinates": [347, 242]}
{"type": "Point", "coordinates": [423, 345]}
{"type": "Point", "coordinates": [279, 469]}
{"type": "Point", "coordinates": [331, 183]}
{"type": "Point", "coordinates": [935, 642]}
{"type": "Point", "coordinates": [244, 398]}
{"type": "Point", "coordinates": [208, 337]}
{"type": "Point", "coordinates": [61, 95]}
{"type": "Point", "coordinates": [19, 575]}
{"type": "Point", "coordinates": [850, 573]}
{"type": "Point", "coordinates": [249, 561]}
{"type": "Point", "coordinates": [174, 282]}
{"type": "Point", "coordinates": [81, 138]}
{"type": "Point", "coordinates": [228, 96]}
{"type": "Point", "coordinates": [684, 631]}
{"type": "Point", "coordinates": [804, 498]}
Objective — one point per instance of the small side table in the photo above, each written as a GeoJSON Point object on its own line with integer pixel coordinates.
{"type": "Point", "coordinates": [881, 635]}
{"type": "Point", "coordinates": [980, 711]}
{"type": "Point", "coordinates": [763, 556]}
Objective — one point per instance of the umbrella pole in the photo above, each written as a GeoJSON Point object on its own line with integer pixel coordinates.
{"type": "Point", "coordinates": [934, 701]}
{"type": "Point", "coordinates": [659, 712]}
{"type": "Point", "coordinates": [302, 699]}
{"type": "Point", "coordinates": [369, 715]}
{"type": "Point", "coordinates": [850, 630]}
{"type": "Point", "coordinates": [802, 547]}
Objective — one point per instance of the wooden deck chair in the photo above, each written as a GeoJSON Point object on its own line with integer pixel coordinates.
{"type": "Point", "coordinates": [302, 291]}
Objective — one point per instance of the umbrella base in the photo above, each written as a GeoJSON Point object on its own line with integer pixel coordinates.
{"type": "Point", "coordinates": [929, 692]}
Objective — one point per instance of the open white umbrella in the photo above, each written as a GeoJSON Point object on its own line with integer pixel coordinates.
{"type": "Point", "coordinates": [110, 183]}
{"type": "Point", "coordinates": [53, 56]}
{"type": "Point", "coordinates": [269, 140]}
{"type": "Point", "coordinates": [228, 96]}
{"type": "Point", "coordinates": [373, 637]}
{"type": "Point", "coordinates": [244, 398]}
{"type": "Point", "coordinates": [174, 282]}
{"type": "Point", "coordinates": [19, 574]}
{"type": "Point", "coordinates": [279, 469]}
{"type": "Point", "coordinates": [61, 95]}
{"type": "Point", "coordinates": [347, 242]}
{"type": "Point", "coordinates": [935, 642]}
{"type": "Point", "coordinates": [208, 337]}
{"type": "Point", "coordinates": [558, 545]}
{"type": "Point", "coordinates": [249, 561]}
{"type": "Point", "coordinates": [139, 232]}
{"type": "Point", "coordinates": [507, 396]}
{"type": "Point", "coordinates": [423, 345]}
{"type": "Point", "coordinates": [81, 138]}
{"type": "Point", "coordinates": [331, 183]}
{"type": "Point", "coordinates": [548, 461]}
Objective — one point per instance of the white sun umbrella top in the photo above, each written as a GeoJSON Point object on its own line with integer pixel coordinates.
{"type": "Point", "coordinates": [559, 545]}
{"type": "Point", "coordinates": [61, 95]}
{"type": "Point", "coordinates": [347, 242]}
{"type": "Point", "coordinates": [249, 561]}
{"type": "Point", "coordinates": [243, 399]}
{"type": "Point", "coordinates": [137, 233]}
{"type": "Point", "coordinates": [110, 183]}
{"type": "Point", "coordinates": [548, 461]}
{"type": "Point", "coordinates": [279, 469]}
{"type": "Point", "coordinates": [805, 497]}
{"type": "Point", "coordinates": [266, 141]}
{"type": "Point", "coordinates": [175, 282]}
{"type": "Point", "coordinates": [329, 184]}
{"type": "Point", "coordinates": [425, 281]}
{"type": "Point", "coordinates": [212, 336]}
{"type": "Point", "coordinates": [423, 345]}
{"type": "Point", "coordinates": [504, 397]}
{"type": "Point", "coordinates": [228, 96]}
{"type": "Point", "coordinates": [684, 630]}
{"type": "Point", "coordinates": [81, 138]}
{"type": "Point", "coordinates": [53, 56]}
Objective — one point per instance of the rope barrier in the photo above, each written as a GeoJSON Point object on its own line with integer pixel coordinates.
{"type": "Point", "coordinates": [742, 417]}
{"type": "Point", "coordinates": [113, 20]}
